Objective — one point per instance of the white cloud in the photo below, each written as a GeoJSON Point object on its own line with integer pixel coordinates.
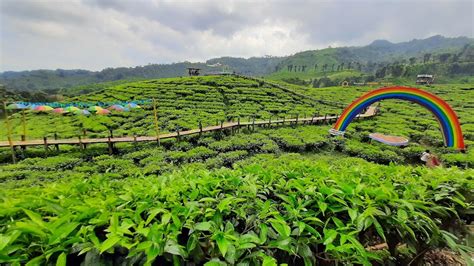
{"type": "Point", "coordinates": [94, 34]}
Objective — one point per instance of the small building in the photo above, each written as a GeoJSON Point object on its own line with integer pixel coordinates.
{"type": "Point", "coordinates": [424, 79]}
{"type": "Point", "coordinates": [193, 71]}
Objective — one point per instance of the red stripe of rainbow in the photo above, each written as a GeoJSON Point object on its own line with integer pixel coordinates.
{"type": "Point", "coordinates": [445, 115]}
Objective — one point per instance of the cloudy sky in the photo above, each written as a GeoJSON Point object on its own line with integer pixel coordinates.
{"type": "Point", "coordinates": [95, 34]}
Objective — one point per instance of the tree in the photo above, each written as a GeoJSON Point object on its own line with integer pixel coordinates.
{"type": "Point", "coordinates": [332, 67]}
{"type": "Point", "coordinates": [426, 57]}
{"type": "Point", "coordinates": [412, 60]}
{"type": "Point", "coordinates": [349, 65]}
{"type": "Point", "coordinates": [325, 66]}
{"type": "Point", "coordinates": [315, 66]}
{"type": "Point", "coordinates": [290, 68]}
{"type": "Point", "coordinates": [380, 73]}
{"type": "Point", "coordinates": [443, 58]}
{"type": "Point", "coordinates": [397, 70]}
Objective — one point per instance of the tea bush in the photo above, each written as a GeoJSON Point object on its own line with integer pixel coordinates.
{"type": "Point", "coordinates": [291, 209]}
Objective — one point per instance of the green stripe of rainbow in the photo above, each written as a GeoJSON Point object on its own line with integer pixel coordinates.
{"type": "Point", "coordinates": [445, 115]}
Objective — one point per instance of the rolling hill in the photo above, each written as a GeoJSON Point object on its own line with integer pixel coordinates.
{"type": "Point", "coordinates": [336, 63]}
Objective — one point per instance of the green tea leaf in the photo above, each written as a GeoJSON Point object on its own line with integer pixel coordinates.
{"type": "Point", "coordinates": [109, 243]}
{"type": "Point", "coordinates": [222, 243]}
{"type": "Point", "coordinates": [203, 226]}
{"type": "Point", "coordinates": [281, 227]}
{"type": "Point", "coordinates": [36, 218]}
{"type": "Point", "coordinates": [61, 260]}
{"type": "Point", "coordinates": [329, 236]}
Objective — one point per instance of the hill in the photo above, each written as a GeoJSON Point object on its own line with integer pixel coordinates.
{"type": "Point", "coordinates": [182, 104]}
{"type": "Point", "coordinates": [346, 61]}
{"type": "Point", "coordinates": [379, 60]}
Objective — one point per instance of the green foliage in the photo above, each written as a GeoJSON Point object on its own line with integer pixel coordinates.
{"type": "Point", "coordinates": [182, 104]}
{"type": "Point", "coordinates": [268, 210]}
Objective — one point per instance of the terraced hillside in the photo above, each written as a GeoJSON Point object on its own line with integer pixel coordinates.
{"type": "Point", "coordinates": [270, 196]}
{"type": "Point", "coordinates": [182, 103]}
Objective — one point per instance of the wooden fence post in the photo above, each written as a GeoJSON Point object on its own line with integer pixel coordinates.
{"type": "Point", "coordinates": [10, 142]}
{"type": "Point", "coordinates": [111, 146]}
{"type": "Point", "coordinates": [157, 128]}
{"type": "Point", "coordinates": [200, 128]}
{"type": "Point", "coordinates": [23, 118]}
{"type": "Point", "coordinates": [23, 147]}
{"type": "Point", "coordinates": [178, 136]}
{"type": "Point", "coordinates": [80, 142]}
{"type": "Point", "coordinates": [45, 141]}
{"type": "Point", "coordinates": [56, 146]}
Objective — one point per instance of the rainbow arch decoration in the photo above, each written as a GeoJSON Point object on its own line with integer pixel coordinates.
{"type": "Point", "coordinates": [445, 115]}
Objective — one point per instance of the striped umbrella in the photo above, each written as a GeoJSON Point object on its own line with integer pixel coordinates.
{"type": "Point", "coordinates": [133, 106]}
{"type": "Point", "coordinates": [95, 108]}
{"type": "Point", "coordinates": [82, 112]}
{"type": "Point", "coordinates": [16, 106]}
{"type": "Point", "coordinates": [102, 112]}
{"type": "Point", "coordinates": [59, 111]}
{"type": "Point", "coordinates": [43, 108]}
{"type": "Point", "coordinates": [72, 109]}
{"type": "Point", "coordinates": [117, 107]}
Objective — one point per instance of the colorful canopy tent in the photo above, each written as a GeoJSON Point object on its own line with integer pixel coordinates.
{"type": "Point", "coordinates": [389, 140]}
{"type": "Point", "coordinates": [133, 106]}
{"type": "Point", "coordinates": [59, 111]}
{"type": "Point", "coordinates": [95, 108]}
{"type": "Point", "coordinates": [103, 112]}
{"type": "Point", "coordinates": [16, 106]}
{"type": "Point", "coordinates": [117, 107]}
{"type": "Point", "coordinates": [445, 115]}
{"type": "Point", "coordinates": [72, 109]}
{"type": "Point", "coordinates": [43, 108]}
{"type": "Point", "coordinates": [82, 112]}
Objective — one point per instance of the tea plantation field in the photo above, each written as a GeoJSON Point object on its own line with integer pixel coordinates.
{"type": "Point", "coordinates": [271, 196]}
{"type": "Point", "coordinates": [182, 103]}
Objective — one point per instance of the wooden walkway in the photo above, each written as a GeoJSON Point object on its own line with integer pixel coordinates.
{"type": "Point", "coordinates": [371, 111]}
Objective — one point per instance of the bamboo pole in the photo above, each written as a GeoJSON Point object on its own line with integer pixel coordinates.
{"type": "Point", "coordinates": [23, 118]}
{"type": "Point", "coordinates": [9, 133]}
{"type": "Point", "coordinates": [157, 129]}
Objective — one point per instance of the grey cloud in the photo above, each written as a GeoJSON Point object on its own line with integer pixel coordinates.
{"type": "Point", "coordinates": [40, 11]}
{"type": "Point", "coordinates": [184, 15]}
{"type": "Point", "coordinates": [127, 33]}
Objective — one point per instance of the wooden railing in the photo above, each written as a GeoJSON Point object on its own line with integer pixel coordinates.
{"type": "Point", "coordinates": [83, 142]}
